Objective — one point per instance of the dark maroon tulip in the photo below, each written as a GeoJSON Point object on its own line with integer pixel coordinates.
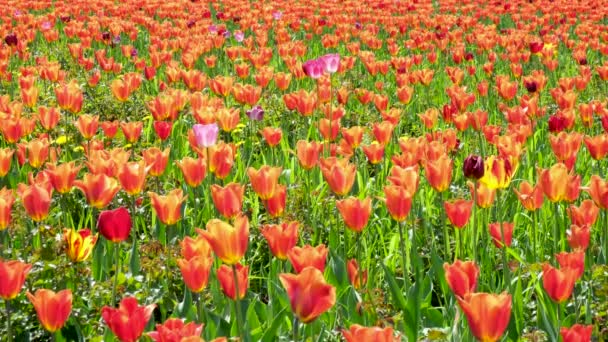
{"type": "Point", "coordinates": [11, 39]}
{"type": "Point", "coordinates": [536, 46]}
{"type": "Point", "coordinates": [115, 225]}
{"type": "Point", "coordinates": [531, 86]}
{"type": "Point", "coordinates": [473, 167]}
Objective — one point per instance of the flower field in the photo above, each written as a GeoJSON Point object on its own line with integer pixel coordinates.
{"type": "Point", "coordinates": [303, 170]}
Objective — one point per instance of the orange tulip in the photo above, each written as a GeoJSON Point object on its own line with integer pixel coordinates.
{"type": "Point", "coordinates": [406, 178]}
{"type": "Point", "coordinates": [228, 200]}
{"type": "Point", "coordinates": [276, 204]}
{"type": "Point", "coordinates": [99, 189]}
{"type": "Point", "coordinates": [302, 257]}
{"type": "Point", "coordinates": [131, 130]}
{"type": "Point", "coordinates": [225, 275]}
{"type": "Point", "coordinates": [228, 242]}
{"type": "Point", "coordinates": [458, 211]}
{"type": "Point", "coordinates": [265, 180]}
{"type": "Point", "coordinates": [156, 160]}
{"type": "Point", "coordinates": [308, 153]}
{"type": "Point", "coordinates": [12, 278]}
{"type": "Point", "coordinates": [193, 247]}
{"type": "Point", "coordinates": [565, 147]}
{"type": "Point", "coordinates": [383, 132]}
{"type": "Point", "coordinates": [87, 125]}
{"type": "Point", "coordinates": [281, 238]}
{"type": "Point", "coordinates": [398, 202]}
{"type": "Point", "coordinates": [6, 204]}
{"type": "Point", "coordinates": [53, 309]}
{"type": "Point", "coordinates": [195, 272]}
{"type": "Point", "coordinates": [584, 215]}
{"type": "Point", "coordinates": [168, 207]}
{"type": "Point", "coordinates": [339, 174]}
{"type": "Point", "coordinates": [36, 199]}
{"type": "Point", "coordinates": [501, 232]}
{"type": "Point", "coordinates": [309, 294]}
{"type": "Point", "coordinates": [174, 329]}
{"type": "Point", "coordinates": [79, 244]}
{"type": "Point", "coordinates": [37, 152]}
{"type": "Point", "coordinates": [439, 173]}
{"type": "Point", "coordinates": [598, 190]}
{"type": "Point", "coordinates": [461, 276]}
{"type": "Point", "coordinates": [559, 283]}
{"type": "Point", "coordinates": [530, 197]}
{"type": "Point", "coordinates": [120, 89]}
{"type": "Point", "coordinates": [577, 333]}
{"type": "Point", "coordinates": [355, 212]}
{"type": "Point", "coordinates": [109, 128]}
{"type": "Point", "coordinates": [132, 176]}
{"type": "Point", "coordinates": [553, 182]}
{"type": "Point", "coordinates": [221, 159]}
{"type": "Point", "coordinates": [69, 96]}
{"type": "Point", "coordinates": [578, 237]}
{"type": "Point", "coordinates": [6, 156]}
{"type": "Point", "coordinates": [573, 260]}
{"type": "Point", "coordinates": [487, 314]}
{"type": "Point", "coordinates": [353, 135]}
{"type": "Point", "coordinates": [194, 170]}
{"type": "Point", "coordinates": [597, 146]}
{"type": "Point", "coordinates": [357, 277]}
{"type": "Point", "coordinates": [62, 176]}
{"type": "Point", "coordinates": [358, 333]}
{"type": "Point", "coordinates": [272, 135]}
{"type": "Point", "coordinates": [374, 152]}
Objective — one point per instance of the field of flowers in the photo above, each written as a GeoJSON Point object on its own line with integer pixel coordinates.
{"type": "Point", "coordinates": [383, 170]}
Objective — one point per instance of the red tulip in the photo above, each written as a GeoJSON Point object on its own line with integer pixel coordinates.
{"type": "Point", "coordinates": [309, 294]}
{"type": "Point", "coordinates": [129, 320]}
{"type": "Point", "coordinates": [115, 225]}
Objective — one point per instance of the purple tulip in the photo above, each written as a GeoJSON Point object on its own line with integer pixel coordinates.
{"type": "Point", "coordinates": [256, 113]}
{"type": "Point", "coordinates": [314, 68]}
{"type": "Point", "coordinates": [331, 62]}
{"type": "Point", "coordinates": [206, 135]}
{"type": "Point", "coordinates": [226, 34]}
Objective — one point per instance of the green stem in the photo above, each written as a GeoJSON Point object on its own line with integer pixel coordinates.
{"type": "Point", "coordinates": [237, 306]}
{"type": "Point", "coordinates": [446, 233]}
{"type": "Point", "coordinates": [9, 330]}
{"type": "Point", "coordinates": [404, 257]}
{"type": "Point", "coordinates": [117, 260]}
{"type": "Point", "coordinates": [606, 237]}
{"type": "Point", "coordinates": [201, 308]}
{"type": "Point", "coordinates": [505, 261]}
{"type": "Point", "coordinates": [296, 326]}
{"type": "Point", "coordinates": [474, 239]}
{"type": "Point", "coordinates": [534, 251]}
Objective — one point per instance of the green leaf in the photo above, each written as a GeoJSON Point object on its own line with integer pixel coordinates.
{"type": "Point", "coordinates": [277, 321]}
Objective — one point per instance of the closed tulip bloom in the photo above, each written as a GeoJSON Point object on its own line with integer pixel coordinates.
{"type": "Point", "coordinates": [225, 276]}
{"type": "Point", "coordinates": [175, 330]}
{"type": "Point", "coordinates": [281, 238]}
{"type": "Point", "coordinates": [36, 200]}
{"type": "Point", "coordinates": [579, 236]}
{"type": "Point", "coordinates": [275, 205]}
{"type": "Point", "coordinates": [339, 174]}
{"type": "Point", "coordinates": [99, 189]}
{"type": "Point", "coordinates": [359, 333]}
{"type": "Point", "coordinates": [272, 135]}
{"type": "Point", "coordinates": [353, 135]}
{"type": "Point", "coordinates": [228, 242]}
{"type": "Point", "coordinates": [498, 172]}
{"type": "Point", "coordinates": [129, 320]}
{"type": "Point", "coordinates": [552, 182]}
{"type": "Point", "coordinates": [87, 125]}
{"type": "Point", "coordinates": [193, 247]}
{"type": "Point", "coordinates": [131, 130]}
{"type": "Point", "coordinates": [53, 309]}
{"type": "Point", "coordinates": [221, 159]}
{"type": "Point", "coordinates": [228, 200]}
{"type": "Point", "coordinates": [473, 167]}
{"type": "Point", "coordinates": [308, 153]}
{"type": "Point", "coordinates": [314, 68]}
{"type": "Point", "coordinates": [12, 277]}
{"type": "Point", "coordinates": [577, 333]}
{"type": "Point", "coordinates": [439, 173]}
{"type": "Point", "coordinates": [485, 195]}
{"type": "Point", "coordinates": [194, 170]}
{"type": "Point", "coordinates": [37, 152]}
{"type": "Point", "coordinates": [598, 190]}
{"type": "Point", "coordinates": [302, 257]}
{"type": "Point", "coordinates": [309, 294]}
{"type": "Point", "coordinates": [195, 272]}
{"type": "Point", "coordinates": [461, 277]}
{"type": "Point", "coordinates": [498, 236]}
{"type": "Point", "coordinates": [6, 156]}
{"type": "Point", "coordinates": [79, 244]}
{"type": "Point", "coordinates": [398, 202]}
{"type": "Point", "coordinates": [156, 160]}
{"type": "Point", "coordinates": [168, 207]}
{"type": "Point", "coordinates": [530, 197]}
{"type": "Point", "coordinates": [374, 152]}
{"type": "Point", "coordinates": [405, 177]}
{"type": "Point", "coordinates": [356, 276]}
{"type": "Point", "coordinates": [132, 176]}
{"type": "Point", "coordinates": [265, 180]}
{"type": "Point", "coordinates": [584, 215]}
{"type": "Point", "coordinates": [488, 314]}
{"type": "Point", "coordinates": [206, 135]}
{"type": "Point", "coordinates": [458, 212]}
{"type": "Point", "coordinates": [574, 260]}
{"type": "Point", "coordinates": [6, 205]}
{"type": "Point", "coordinates": [559, 283]}
{"type": "Point", "coordinates": [355, 212]}
{"type": "Point", "coordinates": [115, 225]}
{"type": "Point", "coordinates": [62, 176]}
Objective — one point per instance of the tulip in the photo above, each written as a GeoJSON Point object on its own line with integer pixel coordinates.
{"type": "Point", "coordinates": [156, 160]}
{"type": "Point", "coordinates": [498, 172]}
{"type": "Point", "coordinates": [168, 207]}
{"type": "Point", "coordinates": [132, 130]}
{"type": "Point", "coordinates": [357, 277]}
{"type": "Point", "coordinates": [99, 189]}
{"type": "Point", "coordinates": [228, 242]}
{"type": "Point", "coordinates": [339, 174]}
{"type": "Point", "coordinates": [129, 320]}
{"type": "Point", "coordinates": [314, 68]}
{"type": "Point", "coordinates": [461, 277]}
{"type": "Point", "coordinates": [573, 260]}
{"type": "Point", "coordinates": [36, 200]}
{"type": "Point", "coordinates": [598, 190]}
{"type": "Point", "coordinates": [132, 177]}
{"type": "Point", "coordinates": [579, 236]}
{"type": "Point", "coordinates": [193, 247]}
{"type": "Point", "coordinates": [398, 202]}
{"type": "Point", "coordinates": [487, 314]}
{"type": "Point", "coordinates": [53, 309]}
{"type": "Point", "coordinates": [309, 294]}
{"type": "Point", "coordinates": [458, 212]}
{"type": "Point", "coordinates": [87, 125]}
{"type": "Point", "coordinates": [225, 275]}
{"type": "Point", "coordinates": [577, 333]}
{"type": "Point", "coordinates": [374, 152]}
{"type": "Point", "coordinates": [206, 135]}
{"type": "Point", "coordinates": [473, 167]}
{"type": "Point", "coordinates": [439, 173]}
{"type": "Point", "coordinates": [559, 283]}
{"type": "Point", "coordinates": [6, 204]}
{"type": "Point", "coordinates": [175, 330]}
{"type": "Point", "coordinates": [79, 244]}
{"type": "Point", "coordinates": [163, 129]}
{"type": "Point", "coordinates": [584, 215]}
{"type": "Point", "coordinates": [302, 257]}
{"type": "Point", "coordinates": [195, 272]}
{"type": "Point", "coordinates": [358, 333]}
{"type": "Point", "coordinates": [553, 182]}
{"type": "Point", "coordinates": [501, 232]}
{"type": "Point", "coordinates": [115, 225]}
{"type": "Point", "coordinates": [272, 135]}
{"type": "Point", "coordinates": [12, 278]}
{"type": "Point", "coordinates": [281, 238]}
{"type": "Point", "coordinates": [276, 204]}
{"type": "Point", "coordinates": [194, 170]}
{"type": "Point", "coordinates": [228, 200]}
{"type": "Point", "coordinates": [62, 176]}
{"type": "Point", "coordinates": [6, 156]}
{"type": "Point", "coordinates": [265, 180]}
{"type": "Point", "coordinates": [355, 212]}
{"type": "Point", "coordinates": [308, 153]}
{"type": "Point", "coordinates": [530, 197]}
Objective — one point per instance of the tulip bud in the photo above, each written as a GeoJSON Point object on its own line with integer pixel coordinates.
{"type": "Point", "coordinates": [473, 167]}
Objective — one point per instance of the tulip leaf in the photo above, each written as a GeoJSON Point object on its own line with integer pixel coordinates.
{"type": "Point", "coordinates": [271, 332]}
{"type": "Point", "coordinates": [396, 293]}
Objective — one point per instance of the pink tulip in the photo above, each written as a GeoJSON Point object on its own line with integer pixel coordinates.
{"type": "Point", "coordinates": [331, 62]}
{"type": "Point", "coordinates": [314, 68]}
{"type": "Point", "coordinates": [206, 135]}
